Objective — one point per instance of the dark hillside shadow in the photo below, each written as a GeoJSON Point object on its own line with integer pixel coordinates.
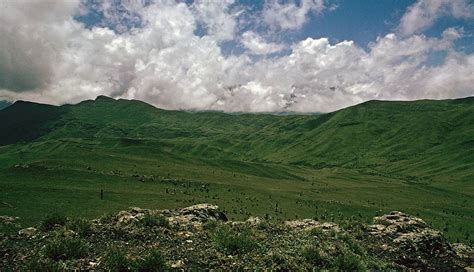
{"type": "Point", "coordinates": [27, 121]}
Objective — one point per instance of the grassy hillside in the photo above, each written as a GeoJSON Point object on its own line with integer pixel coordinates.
{"type": "Point", "coordinates": [360, 161]}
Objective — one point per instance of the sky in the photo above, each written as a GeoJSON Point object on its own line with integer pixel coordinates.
{"type": "Point", "coordinates": [237, 56]}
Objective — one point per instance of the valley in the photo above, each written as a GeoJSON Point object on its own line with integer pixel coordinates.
{"type": "Point", "coordinates": [357, 163]}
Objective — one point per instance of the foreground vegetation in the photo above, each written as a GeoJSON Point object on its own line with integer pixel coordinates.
{"type": "Point", "coordinates": [356, 163]}
{"type": "Point", "coordinates": [199, 237]}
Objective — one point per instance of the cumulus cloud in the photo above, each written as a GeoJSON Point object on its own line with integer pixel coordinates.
{"type": "Point", "coordinates": [424, 13]}
{"type": "Point", "coordinates": [291, 15]}
{"type": "Point", "coordinates": [257, 45]}
{"type": "Point", "coordinates": [53, 58]}
{"type": "Point", "coordinates": [121, 16]}
{"type": "Point", "coordinates": [31, 43]}
{"type": "Point", "coordinates": [218, 18]}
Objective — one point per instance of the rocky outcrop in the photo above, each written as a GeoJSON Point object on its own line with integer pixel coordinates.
{"type": "Point", "coordinates": [200, 237]}
{"type": "Point", "coordinates": [8, 219]}
{"type": "Point", "coordinates": [411, 243]}
{"type": "Point", "coordinates": [308, 224]}
{"type": "Point", "coordinates": [193, 215]}
{"type": "Point", "coordinates": [28, 232]}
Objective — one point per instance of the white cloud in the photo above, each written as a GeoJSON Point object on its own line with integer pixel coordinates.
{"type": "Point", "coordinates": [325, 77]}
{"type": "Point", "coordinates": [121, 16]}
{"type": "Point", "coordinates": [291, 15]}
{"type": "Point", "coordinates": [257, 45]}
{"type": "Point", "coordinates": [424, 13]}
{"type": "Point", "coordinates": [219, 21]}
{"type": "Point", "coordinates": [32, 40]}
{"type": "Point", "coordinates": [54, 59]}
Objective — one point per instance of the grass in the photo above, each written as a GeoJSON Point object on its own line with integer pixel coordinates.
{"type": "Point", "coordinates": [348, 262]}
{"type": "Point", "coordinates": [53, 220]}
{"type": "Point", "coordinates": [9, 228]}
{"type": "Point", "coordinates": [81, 226]}
{"type": "Point", "coordinates": [232, 241]}
{"type": "Point", "coordinates": [312, 255]}
{"type": "Point", "coordinates": [217, 245]}
{"type": "Point", "coordinates": [38, 265]}
{"type": "Point", "coordinates": [152, 220]}
{"type": "Point", "coordinates": [116, 260]}
{"type": "Point", "coordinates": [153, 261]}
{"type": "Point", "coordinates": [66, 248]}
{"type": "Point", "coordinates": [361, 161]}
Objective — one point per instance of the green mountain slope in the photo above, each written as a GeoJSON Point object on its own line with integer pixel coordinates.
{"type": "Point", "coordinates": [421, 138]}
{"type": "Point", "coordinates": [26, 121]}
{"type": "Point", "coordinates": [377, 156]}
{"type": "Point", "coordinates": [426, 136]}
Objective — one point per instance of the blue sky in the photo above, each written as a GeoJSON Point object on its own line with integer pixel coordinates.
{"type": "Point", "coordinates": [356, 20]}
{"type": "Point", "coordinates": [242, 55]}
{"type": "Point", "coordinates": [360, 21]}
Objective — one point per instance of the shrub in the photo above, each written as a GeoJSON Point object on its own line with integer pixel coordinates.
{"type": "Point", "coordinates": [115, 260]}
{"type": "Point", "coordinates": [348, 262]}
{"type": "Point", "coordinates": [233, 242]}
{"type": "Point", "coordinates": [263, 225]}
{"type": "Point", "coordinates": [151, 220]}
{"type": "Point", "coordinates": [316, 232]}
{"type": "Point", "coordinates": [81, 226]}
{"type": "Point", "coordinates": [38, 265]}
{"type": "Point", "coordinates": [52, 220]}
{"type": "Point", "coordinates": [277, 262]}
{"type": "Point", "coordinates": [118, 232]}
{"type": "Point", "coordinates": [66, 248]}
{"type": "Point", "coordinates": [352, 244]}
{"type": "Point", "coordinates": [106, 218]}
{"type": "Point", "coordinates": [210, 225]}
{"type": "Point", "coordinates": [357, 229]}
{"type": "Point", "coordinates": [313, 256]}
{"type": "Point", "coordinates": [9, 228]}
{"type": "Point", "coordinates": [154, 261]}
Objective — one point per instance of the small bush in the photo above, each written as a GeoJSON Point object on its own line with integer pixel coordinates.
{"type": "Point", "coordinates": [154, 261]}
{"type": "Point", "coordinates": [210, 225]}
{"type": "Point", "coordinates": [348, 262]}
{"type": "Point", "coordinates": [52, 220]}
{"type": "Point", "coordinates": [115, 260]}
{"type": "Point", "coordinates": [66, 248]}
{"type": "Point", "coordinates": [358, 230]}
{"type": "Point", "coordinates": [233, 242]}
{"type": "Point", "coordinates": [151, 220]}
{"type": "Point", "coordinates": [106, 218]}
{"type": "Point", "coordinates": [316, 232]}
{"type": "Point", "coordinates": [352, 244]}
{"type": "Point", "coordinates": [313, 256]}
{"type": "Point", "coordinates": [81, 226]}
{"type": "Point", "coordinates": [38, 265]}
{"type": "Point", "coordinates": [118, 232]}
{"type": "Point", "coordinates": [277, 262]}
{"type": "Point", "coordinates": [263, 225]}
{"type": "Point", "coordinates": [9, 228]}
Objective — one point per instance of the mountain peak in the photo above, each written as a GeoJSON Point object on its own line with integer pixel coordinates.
{"type": "Point", "coordinates": [104, 98]}
{"type": "Point", "coordinates": [24, 103]}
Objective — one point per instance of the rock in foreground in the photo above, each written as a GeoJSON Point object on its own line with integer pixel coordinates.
{"type": "Point", "coordinates": [411, 243]}
{"type": "Point", "coordinates": [200, 237]}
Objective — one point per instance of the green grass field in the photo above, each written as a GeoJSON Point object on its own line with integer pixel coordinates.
{"type": "Point", "coordinates": [417, 157]}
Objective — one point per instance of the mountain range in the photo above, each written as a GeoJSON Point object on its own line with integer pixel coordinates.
{"type": "Point", "coordinates": [415, 156]}
{"type": "Point", "coordinates": [420, 138]}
